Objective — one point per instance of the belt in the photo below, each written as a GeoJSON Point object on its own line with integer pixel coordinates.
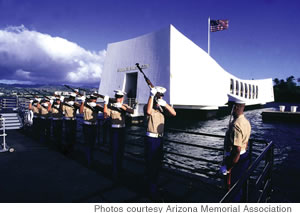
{"type": "Point", "coordinates": [118, 125]}
{"type": "Point", "coordinates": [35, 116]}
{"type": "Point", "coordinates": [56, 119]}
{"type": "Point", "coordinates": [43, 117]}
{"type": "Point", "coordinates": [90, 122]}
{"type": "Point", "coordinates": [70, 119]}
{"type": "Point", "coordinates": [153, 135]}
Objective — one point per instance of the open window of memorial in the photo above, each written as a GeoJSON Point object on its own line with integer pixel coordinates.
{"type": "Point", "coordinates": [231, 86]}
{"type": "Point", "coordinates": [237, 90]}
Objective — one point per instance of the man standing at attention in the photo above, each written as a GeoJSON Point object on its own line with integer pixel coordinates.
{"type": "Point", "coordinates": [237, 137]}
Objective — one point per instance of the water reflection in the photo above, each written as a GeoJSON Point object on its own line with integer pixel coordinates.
{"type": "Point", "coordinates": [285, 136]}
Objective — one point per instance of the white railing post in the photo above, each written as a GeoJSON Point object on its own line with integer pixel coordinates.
{"type": "Point", "coordinates": [3, 135]}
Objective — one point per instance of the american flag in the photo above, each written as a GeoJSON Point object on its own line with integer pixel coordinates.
{"type": "Point", "coordinates": [218, 25]}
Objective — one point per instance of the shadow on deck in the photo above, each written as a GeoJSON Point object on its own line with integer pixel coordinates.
{"type": "Point", "coordinates": [37, 172]}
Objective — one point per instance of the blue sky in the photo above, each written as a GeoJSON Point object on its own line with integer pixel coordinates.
{"type": "Point", "coordinates": [59, 41]}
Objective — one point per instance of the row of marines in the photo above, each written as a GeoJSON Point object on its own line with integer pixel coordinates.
{"type": "Point", "coordinates": [60, 109]}
{"type": "Point", "coordinates": [155, 110]}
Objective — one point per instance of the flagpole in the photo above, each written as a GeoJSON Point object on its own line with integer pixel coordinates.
{"type": "Point", "coordinates": [208, 48]}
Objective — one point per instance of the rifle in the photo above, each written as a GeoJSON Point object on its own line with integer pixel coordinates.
{"type": "Point", "coordinates": [42, 95]}
{"type": "Point", "coordinates": [34, 95]}
{"type": "Point", "coordinates": [73, 90]}
{"type": "Point", "coordinates": [111, 100]}
{"type": "Point", "coordinates": [148, 81]}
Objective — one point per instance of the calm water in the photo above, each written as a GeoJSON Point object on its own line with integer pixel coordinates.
{"type": "Point", "coordinates": [285, 136]}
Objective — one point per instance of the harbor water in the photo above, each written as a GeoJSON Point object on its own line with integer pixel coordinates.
{"type": "Point", "coordinates": [286, 137]}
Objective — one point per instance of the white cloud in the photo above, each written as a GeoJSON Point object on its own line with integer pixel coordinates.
{"type": "Point", "coordinates": [27, 55]}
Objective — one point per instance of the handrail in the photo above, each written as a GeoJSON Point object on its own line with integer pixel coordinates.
{"type": "Point", "coordinates": [210, 135]}
{"type": "Point", "coordinates": [181, 143]}
{"type": "Point", "coordinates": [245, 177]}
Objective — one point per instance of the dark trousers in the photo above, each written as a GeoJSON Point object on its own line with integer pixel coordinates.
{"type": "Point", "coordinates": [70, 133]}
{"type": "Point", "coordinates": [57, 126]}
{"type": "Point", "coordinates": [117, 143]}
{"type": "Point", "coordinates": [90, 135]}
{"type": "Point", "coordinates": [45, 129]}
{"type": "Point", "coordinates": [237, 172]}
{"type": "Point", "coordinates": [36, 128]}
{"type": "Point", "coordinates": [153, 160]}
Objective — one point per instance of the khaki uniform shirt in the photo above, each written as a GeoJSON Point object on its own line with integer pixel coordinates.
{"type": "Point", "coordinates": [43, 111]}
{"type": "Point", "coordinates": [70, 112]}
{"type": "Point", "coordinates": [240, 130]}
{"type": "Point", "coordinates": [35, 110]}
{"type": "Point", "coordinates": [55, 112]}
{"type": "Point", "coordinates": [89, 114]}
{"type": "Point", "coordinates": [156, 122]}
{"type": "Point", "coordinates": [116, 116]}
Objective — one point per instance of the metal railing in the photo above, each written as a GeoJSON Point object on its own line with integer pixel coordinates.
{"type": "Point", "coordinates": [3, 146]}
{"type": "Point", "coordinates": [263, 181]}
{"type": "Point", "coordinates": [261, 186]}
{"type": "Point", "coordinates": [9, 103]}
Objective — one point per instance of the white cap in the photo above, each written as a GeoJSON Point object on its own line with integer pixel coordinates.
{"type": "Point", "coordinates": [161, 90]}
{"type": "Point", "coordinates": [120, 92]}
{"type": "Point", "coordinates": [56, 93]}
{"type": "Point", "coordinates": [73, 94]}
{"type": "Point", "coordinates": [93, 96]}
{"type": "Point", "coordinates": [235, 99]}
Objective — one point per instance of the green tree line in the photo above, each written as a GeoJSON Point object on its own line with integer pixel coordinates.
{"type": "Point", "coordinates": [287, 90]}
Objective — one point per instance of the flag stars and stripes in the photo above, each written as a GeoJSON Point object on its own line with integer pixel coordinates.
{"type": "Point", "coordinates": [218, 25]}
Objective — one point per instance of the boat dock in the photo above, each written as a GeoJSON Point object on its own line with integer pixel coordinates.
{"type": "Point", "coordinates": [281, 115]}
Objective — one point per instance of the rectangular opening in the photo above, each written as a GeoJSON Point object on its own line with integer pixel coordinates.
{"type": "Point", "coordinates": [131, 87]}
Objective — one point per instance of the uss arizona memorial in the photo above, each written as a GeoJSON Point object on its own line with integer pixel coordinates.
{"type": "Point", "coordinates": [193, 79]}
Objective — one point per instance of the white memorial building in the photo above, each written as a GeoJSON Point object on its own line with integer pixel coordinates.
{"type": "Point", "coordinates": [193, 79]}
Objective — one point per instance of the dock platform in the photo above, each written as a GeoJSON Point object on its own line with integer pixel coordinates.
{"type": "Point", "coordinates": [37, 173]}
{"type": "Point", "coordinates": [269, 116]}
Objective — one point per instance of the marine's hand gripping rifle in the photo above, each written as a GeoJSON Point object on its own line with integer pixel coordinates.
{"type": "Point", "coordinates": [148, 81]}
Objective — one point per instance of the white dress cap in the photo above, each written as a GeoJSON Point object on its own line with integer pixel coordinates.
{"type": "Point", "coordinates": [161, 90]}
{"type": "Point", "coordinates": [73, 94]}
{"type": "Point", "coordinates": [93, 96]}
{"type": "Point", "coordinates": [236, 99]}
{"type": "Point", "coordinates": [120, 92]}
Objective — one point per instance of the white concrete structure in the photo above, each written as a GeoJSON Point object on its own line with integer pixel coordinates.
{"type": "Point", "coordinates": [193, 79]}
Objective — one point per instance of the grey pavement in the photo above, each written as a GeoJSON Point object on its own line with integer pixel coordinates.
{"type": "Point", "coordinates": [37, 172]}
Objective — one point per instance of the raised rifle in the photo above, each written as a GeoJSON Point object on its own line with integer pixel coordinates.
{"type": "Point", "coordinates": [147, 81]}
{"type": "Point", "coordinates": [30, 93]}
{"type": "Point", "coordinates": [73, 90]}
{"type": "Point", "coordinates": [46, 97]}
{"type": "Point", "coordinates": [111, 100]}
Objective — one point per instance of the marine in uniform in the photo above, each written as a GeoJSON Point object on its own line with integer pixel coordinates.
{"type": "Point", "coordinates": [69, 109]}
{"type": "Point", "coordinates": [236, 143]}
{"type": "Point", "coordinates": [44, 109]}
{"type": "Point", "coordinates": [57, 120]}
{"type": "Point", "coordinates": [155, 111]}
{"type": "Point", "coordinates": [90, 112]}
{"type": "Point", "coordinates": [117, 112]}
{"type": "Point", "coordinates": [33, 105]}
